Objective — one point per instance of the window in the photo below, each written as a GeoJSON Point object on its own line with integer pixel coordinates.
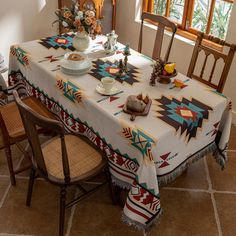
{"type": "Point", "coordinates": [209, 16]}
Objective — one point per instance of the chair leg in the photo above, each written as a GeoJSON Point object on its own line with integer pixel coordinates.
{"type": "Point", "coordinates": [30, 187]}
{"type": "Point", "coordinates": [112, 188]}
{"type": "Point", "coordinates": [10, 165]}
{"type": "Point", "coordinates": [62, 211]}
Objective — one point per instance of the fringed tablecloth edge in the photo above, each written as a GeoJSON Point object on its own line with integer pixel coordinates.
{"type": "Point", "coordinates": [209, 149]}
{"type": "Point", "coordinates": [212, 148]}
{"type": "Point", "coordinates": [140, 226]}
{"type": "Point", "coordinates": [120, 183]}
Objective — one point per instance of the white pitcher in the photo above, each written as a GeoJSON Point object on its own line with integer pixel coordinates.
{"type": "Point", "coordinates": [110, 44]}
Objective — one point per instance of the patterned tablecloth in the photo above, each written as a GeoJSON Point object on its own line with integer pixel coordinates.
{"type": "Point", "coordinates": [183, 124]}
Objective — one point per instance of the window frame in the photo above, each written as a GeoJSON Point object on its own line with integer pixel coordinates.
{"type": "Point", "coordinates": [183, 27]}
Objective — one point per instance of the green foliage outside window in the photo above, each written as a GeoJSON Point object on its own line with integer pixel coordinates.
{"type": "Point", "coordinates": [220, 19]}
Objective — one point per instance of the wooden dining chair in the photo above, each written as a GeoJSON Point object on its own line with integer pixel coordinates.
{"type": "Point", "coordinates": [227, 59]}
{"type": "Point", "coordinates": [12, 129]}
{"type": "Point", "coordinates": [163, 23]}
{"type": "Point", "coordinates": [93, 4]}
{"type": "Point", "coordinates": [105, 11]}
{"type": "Point", "coordinates": [64, 160]}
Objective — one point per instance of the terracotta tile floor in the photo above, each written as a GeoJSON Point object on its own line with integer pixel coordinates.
{"type": "Point", "coordinates": [200, 202]}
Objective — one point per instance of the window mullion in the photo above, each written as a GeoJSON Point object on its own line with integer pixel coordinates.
{"type": "Point", "coordinates": [150, 6]}
{"type": "Point", "coordinates": [209, 22]}
{"type": "Point", "coordinates": [187, 8]}
{"type": "Point", "coordinates": [229, 1]}
{"type": "Point", "coordinates": [168, 2]}
{"type": "Point", "coordinates": [145, 5]}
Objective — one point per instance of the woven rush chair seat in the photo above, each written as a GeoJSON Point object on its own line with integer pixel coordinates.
{"type": "Point", "coordinates": [12, 118]}
{"type": "Point", "coordinates": [13, 132]}
{"type": "Point", "coordinates": [82, 157]}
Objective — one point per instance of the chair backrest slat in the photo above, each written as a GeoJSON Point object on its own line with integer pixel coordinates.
{"type": "Point", "coordinates": [95, 4]}
{"type": "Point", "coordinates": [163, 23]}
{"type": "Point", "coordinates": [226, 57]}
{"type": "Point", "coordinates": [32, 121]}
{"type": "Point", "coordinates": [213, 70]}
{"type": "Point", "coordinates": [158, 42]}
{"type": "Point", "coordinates": [204, 64]}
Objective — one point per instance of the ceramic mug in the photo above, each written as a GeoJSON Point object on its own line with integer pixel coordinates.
{"type": "Point", "coordinates": [107, 83]}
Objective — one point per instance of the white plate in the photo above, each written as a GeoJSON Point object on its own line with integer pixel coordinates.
{"type": "Point", "coordinates": [102, 91]}
{"type": "Point", "coordinates": [76, 72]}
{"type": "Point", "coordinates": [70, 66]}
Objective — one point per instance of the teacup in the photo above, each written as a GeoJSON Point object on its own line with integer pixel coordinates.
{"type": "Point", "coordinates": [107, 83]}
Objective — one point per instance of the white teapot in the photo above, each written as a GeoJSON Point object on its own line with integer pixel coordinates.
{"type": "Point", "coordinates": [110, 44]}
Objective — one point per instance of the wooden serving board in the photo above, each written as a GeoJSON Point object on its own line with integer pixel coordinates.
{"type": "Point", "coordinates": [134, 114]}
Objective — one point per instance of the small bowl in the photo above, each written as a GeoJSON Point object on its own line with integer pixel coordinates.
{"type": "Point", "coordinates": [166, 79]}
{"type": "Point", "coordinates": [75, 64]}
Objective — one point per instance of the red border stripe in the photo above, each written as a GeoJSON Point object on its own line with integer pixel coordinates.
{"type": "Point", "coordinates": [120, 173]}
{"type": "Point", "coordinates": [136, 211]}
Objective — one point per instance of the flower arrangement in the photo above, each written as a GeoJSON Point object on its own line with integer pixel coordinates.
{"type": "Point", "coordinates": [79, 20]}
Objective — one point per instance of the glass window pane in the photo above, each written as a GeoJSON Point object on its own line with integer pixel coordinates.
{"type": "Point", "coordinates": [221, 17]}
{"type": "Point", "coordinates": [177, 10]}
{"type": "Point", "coordinates": [200, 14]}
{"type": "Point", "coordinates": [159, 7]}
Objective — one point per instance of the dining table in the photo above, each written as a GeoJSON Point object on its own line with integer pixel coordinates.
{"type": "Point", "coordinates": [184, 123]}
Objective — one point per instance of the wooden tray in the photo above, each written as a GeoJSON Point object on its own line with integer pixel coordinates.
{"type": "Point", "coordinates": [134, 114]}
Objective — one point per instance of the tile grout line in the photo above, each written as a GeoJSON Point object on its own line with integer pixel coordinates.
{"type": "Point", "coordinates": [199, 190]}
{"type": "Point", "coordinates": [9, 186]}
{"type": "Point", "coordinates": [223, 192]}
{"type": "Point", "coordinates": [5, 195]}
{"type": "Point", "coordinates": [6, 234]}
{"type": "Point", "coordinates": [188, 189]}
{"type": "Point", "coordinates": [70, 221]}
{"type": "Point", "coordinates": [213, 199]}
{"type": "Point", "coordinates": [21, 177]}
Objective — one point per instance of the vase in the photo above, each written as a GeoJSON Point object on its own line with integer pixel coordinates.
{"type": "Point", "coordinates": [81, 41]}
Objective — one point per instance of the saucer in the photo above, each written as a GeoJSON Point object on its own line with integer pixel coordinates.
{"type": "Point", "coordinates": [67, 70]}
{"type": "Point", "coordinates": [102, 91]}
{"type": "Point", "coordinates": [70, 66]}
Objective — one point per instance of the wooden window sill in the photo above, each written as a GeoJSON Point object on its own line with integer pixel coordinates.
{"type": "Point", "coordinates": [193, 37]}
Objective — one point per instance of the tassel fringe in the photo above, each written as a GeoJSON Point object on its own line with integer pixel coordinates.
{"type": "Point", "coordinates": [210, 149]}
{"type": "Point", "coordinates": [140, 226]}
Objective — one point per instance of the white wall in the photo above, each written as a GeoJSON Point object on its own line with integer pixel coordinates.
{"type": "Point", "coordinates": [181, 52]}
{"type": "Point", "coordinates": [24, 20]}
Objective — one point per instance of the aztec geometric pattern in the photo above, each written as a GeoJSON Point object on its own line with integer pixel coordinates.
{"type": "Point", "coordinates": [51, 59]}
{"type": "Point", "coordinates": [110, 69]}
{"type": "Point", "coordinates": [22, 56]}
{"type": "Point", "coordinates": [123, 167]}
{"type": "Point", "coordinates": [140, 141]}
{"type": "Point", "coordinates": [165, 159]}
{"type": "Point", "coordinates": [214, 131]}
{"type": "Point", "coordinates": [183, 114]}
{"type": "Point", "coordinates": [58, 41]}
{"type": "Point", "coordinates": [216, 92]}
{"type": "Point", "coordinates": [143, 204]}
{"type": "Point", "coordinates": [16, 80]}
{"type": "Point", "coordinates": [70, 91]}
